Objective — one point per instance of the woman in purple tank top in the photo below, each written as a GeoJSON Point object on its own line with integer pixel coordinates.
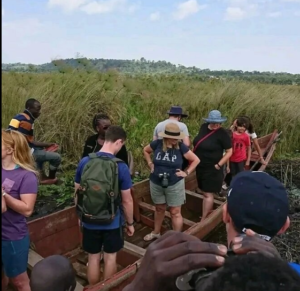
{"type": "Point", "coordinates": [19, 189]}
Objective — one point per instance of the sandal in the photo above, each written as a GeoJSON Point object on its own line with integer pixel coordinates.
{"type": "Point", "coordinates": [151, 236]}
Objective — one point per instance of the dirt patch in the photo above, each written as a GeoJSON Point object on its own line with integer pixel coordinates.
{"type": "Point", "coordinates": [288, 244]}
{"type": "Point", "coordinates": [47, 205]}
{"type": "Point", "coordinates": [288, 171]}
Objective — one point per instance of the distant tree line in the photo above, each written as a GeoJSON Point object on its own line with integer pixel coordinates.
{"type": "Point", "coordinates": [142, 66]}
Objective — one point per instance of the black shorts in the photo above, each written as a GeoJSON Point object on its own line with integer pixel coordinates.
{"type": "Point", "coordinates": [236, 168]}
{"type": "Point", "coordinates": [111, 240]}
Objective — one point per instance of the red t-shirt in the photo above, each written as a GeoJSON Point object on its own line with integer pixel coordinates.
{"type": "Point", "coordinates": [240, 142]}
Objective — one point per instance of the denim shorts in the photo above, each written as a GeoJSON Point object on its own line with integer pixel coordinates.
{"type": "Point", "coordinates": [15, 256]}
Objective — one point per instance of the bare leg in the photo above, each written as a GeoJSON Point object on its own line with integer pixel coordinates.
{"type": "Point", "coordinates": [21, 282]}
{"type": "Point", "coordinates": [93, 268]}
{"type": "Point", "coordinates": [177, 220]}
{"type": "Point", "coordinates": [208, 205]}
{"type": "Point", "coordinates": [159, 217]}
{"type": "Point", "coordinates": [110, 265]}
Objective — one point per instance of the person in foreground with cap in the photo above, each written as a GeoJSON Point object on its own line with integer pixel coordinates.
{"type": "Point", "coordinates": [209, 146]}
{"type": "Point", "coordinates": [256, 201]}
{"type": "Point", "coordinates": [257, 210]}
{"type": "Point", "coordinates": [167, 185]}
{"type": "Point", "coordinates": [175, 116]}
{"type": "Point", "coordinates": [54, 273]}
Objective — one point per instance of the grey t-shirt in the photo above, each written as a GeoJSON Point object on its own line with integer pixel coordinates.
{"type": "Point", "coordinates": [161, 127]}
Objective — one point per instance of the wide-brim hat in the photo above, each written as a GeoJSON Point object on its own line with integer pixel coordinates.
{"type": "Point", "coordinates": [177, 110]}
{"type": "Point", "coordinates": [172, 131]}
{"type": "Point", "coordinates": [215, 116]}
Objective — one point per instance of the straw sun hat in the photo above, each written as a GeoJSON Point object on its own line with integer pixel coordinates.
{"type": "Point", "coordinates": [172, 130]}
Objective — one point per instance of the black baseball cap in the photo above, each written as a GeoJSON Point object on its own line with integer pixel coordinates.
{"type": "Point", "coordinates": [259, 202]}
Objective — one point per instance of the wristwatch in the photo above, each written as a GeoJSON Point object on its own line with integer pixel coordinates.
{"type": "Point", "coordinates": [130, 224]}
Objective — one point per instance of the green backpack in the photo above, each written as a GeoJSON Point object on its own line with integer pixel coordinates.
{"type": "Point", "coordinates": [98, 197]}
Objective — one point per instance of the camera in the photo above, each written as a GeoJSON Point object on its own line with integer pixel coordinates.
{"type": "Point", "coordinates": [165, 179]}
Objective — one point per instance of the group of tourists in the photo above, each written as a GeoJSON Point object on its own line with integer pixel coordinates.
{"type": "Point", "coordinates": [256, 211]}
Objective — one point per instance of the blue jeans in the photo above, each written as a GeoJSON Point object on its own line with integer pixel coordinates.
{"type": "Point", "coordinates": [41, 156]}
{"type": "Point", "coordinates": [15, 256]}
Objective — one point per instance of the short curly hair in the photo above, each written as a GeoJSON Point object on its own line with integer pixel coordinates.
{"type": "Point", "coordinates": [97, 118]}
{"type": "Point", "coordinates": [254, 272]}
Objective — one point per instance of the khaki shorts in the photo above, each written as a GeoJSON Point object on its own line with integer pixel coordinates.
{"type": "Point", "coordinates": [173, 196]}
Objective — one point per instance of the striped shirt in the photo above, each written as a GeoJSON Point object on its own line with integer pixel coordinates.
{"type": "Point", "coordinates": [24, 123]}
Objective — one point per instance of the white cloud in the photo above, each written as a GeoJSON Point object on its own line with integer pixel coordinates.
{"type": "Point", "coordinates": [187, 8]}
{"type": "Point", "coordinates": [274, 14]}
{"type": "Point", "coordinates": [155, 16]}
{"type": "Point", "coordinates": [234, 13]}
{"type": "Point", "coordinates": [99, 7]}
{"type": "Point", "coordinates": [93, 6]}
{"type": "Point", "coordinates": [67, 5]}
{"type": "Point", "coordinates": [242, 9]}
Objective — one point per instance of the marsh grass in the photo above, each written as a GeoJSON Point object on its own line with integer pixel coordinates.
{"type": "Point", "coordinates": [70, 100]}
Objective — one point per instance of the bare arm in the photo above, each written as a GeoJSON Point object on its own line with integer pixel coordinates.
{"type": "Point", "coordinates": [154, 137]}
{"type": "Point", "coordinates": [226, 157]}
{"type": "Point", "coordinates": [248, 155]}
{"type": "Point", "coordinates": [76, 186]}
{"type": "Point", "coordinates": [127, 203]}
{"type": "Point", "coordinates": [42, 144]}
{"type": "Point", "coordinates": [24, 206]}
{"type": "Point", "coordinates": [186, 140]}
{"type": "Point", "coordinates": [147, 154]}
{"type": "Point", "coordinates": [3, 204]}
{"type": "Point", "coordinates": [191, 157]}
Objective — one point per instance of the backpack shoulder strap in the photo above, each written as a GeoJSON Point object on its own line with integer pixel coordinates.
{"type": "Point", "coordinates": [117, 160]}
{"type": "Point", "coordinates": [93, 155]}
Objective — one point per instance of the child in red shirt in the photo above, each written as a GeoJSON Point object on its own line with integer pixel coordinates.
{"type": "Point", "coordinates": [241, 146]}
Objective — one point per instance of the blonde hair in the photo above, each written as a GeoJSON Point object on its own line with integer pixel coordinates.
{"type": "Point", "coordinates": [21, 154]}
{"type": "Point", "coordinates": [165, 146]}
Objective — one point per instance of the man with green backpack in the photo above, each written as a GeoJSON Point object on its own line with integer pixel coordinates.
{"type": "Point", "coordinates": [102, 193]}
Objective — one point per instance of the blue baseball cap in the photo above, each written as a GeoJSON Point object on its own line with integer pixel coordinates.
{"type": "Point", "coordinates": [259, 202]}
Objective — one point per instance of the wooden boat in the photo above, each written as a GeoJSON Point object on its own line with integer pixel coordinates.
{"type": "Point", "coordinates": [59, 233]}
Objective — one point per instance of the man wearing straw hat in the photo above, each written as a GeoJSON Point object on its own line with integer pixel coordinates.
{"type": "Point", "coordinates": [175, 116]}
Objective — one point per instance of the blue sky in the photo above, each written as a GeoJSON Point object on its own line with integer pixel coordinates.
{"type": "Point", "coordinates": [251, 35]}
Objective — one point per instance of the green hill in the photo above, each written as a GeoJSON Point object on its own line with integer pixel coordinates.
{"type": "Point", "coordinates": [142, 66]}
